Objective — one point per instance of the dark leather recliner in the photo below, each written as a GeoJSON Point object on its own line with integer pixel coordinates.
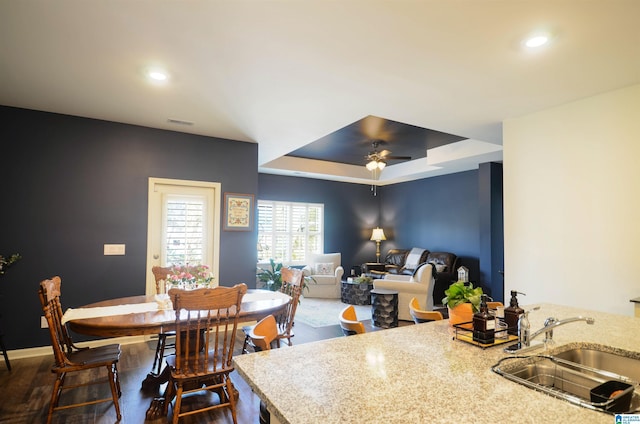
{"type": "Point", "coordinates": [445, 268]}
{"type": "Point", "coordinates": [394, 263]}
{"type": "Point", "coordinates": [445, 272]}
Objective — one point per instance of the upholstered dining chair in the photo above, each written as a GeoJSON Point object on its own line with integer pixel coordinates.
{"type": "Point", "coordinates": [419, 315]}
{"type": "Point", "coordinates": [206, 325]}
{"type": "Point", "coordinates": [160, 274]}
{"type": "Point", "coordinates": [264, 333]}
{"type": "Point", "coordinates": [68, 358]}
{"type": "Point", "coordinates": [292, 286]}
{"type": "Point", "coordinates": [349, 322]}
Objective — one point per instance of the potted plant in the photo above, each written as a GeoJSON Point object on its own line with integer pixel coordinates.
{"type": "Point", "coordinates": [363, 279]}
{"type": "Point", "coordinates": [271, 277]}
{"type": "Point", "coordinates": [462, 302]}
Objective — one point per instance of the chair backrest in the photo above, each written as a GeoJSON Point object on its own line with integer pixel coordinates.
{"type": "Point", "coordinates": [49, 293]}
{"type": "Point", "coordinates": [324, 258]}
{"type": "Point", "coordinates": [264, 333]}
{"type": "Point", "coordinates": [292, 286]}
{"type": "Point", "coordinates": [160, 274]}
{"type": "Point", "coordinates": [349, 322]}
{"type": "Point", "coordinates": [419, 315]}
{"type": "Point", "coordinates": [206, 324]}
{"type": "Point", "coordinates": [494, 305]}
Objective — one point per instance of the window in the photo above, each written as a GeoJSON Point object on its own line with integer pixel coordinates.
{"type": "Point", "coordinates": [184, 230]}
{"type": "Point", "coordinates": [289, 231]}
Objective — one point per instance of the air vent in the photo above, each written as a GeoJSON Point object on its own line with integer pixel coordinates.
{"type": "Point", "coordinates": [179, 122]}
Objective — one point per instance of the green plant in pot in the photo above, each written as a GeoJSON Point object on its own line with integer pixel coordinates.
{"type": "Point", "coordinates": [462, 300]}
{"type": "Point", "coordinates": [271, 277]}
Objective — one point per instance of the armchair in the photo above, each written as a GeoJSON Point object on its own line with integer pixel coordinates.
{"type": "Point", "coordinates": [419, 285]}
{"type": "Point", "coordinates": [327, 272]}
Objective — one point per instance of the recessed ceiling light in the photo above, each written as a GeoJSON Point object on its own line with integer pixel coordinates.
{"type": "Point", "coordinates": [537, 40]}
{"type": "Point", "coordinates": [156, 75]}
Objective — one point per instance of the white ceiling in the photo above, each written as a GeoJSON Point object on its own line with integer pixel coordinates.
{"type": "Point", "coordinates": [286, 73]}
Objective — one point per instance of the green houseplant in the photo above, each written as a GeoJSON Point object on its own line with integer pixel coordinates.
{"type": "Point", "coordinates": [463, 301]}
{"type": "Point", "coordinates": [271, 277]}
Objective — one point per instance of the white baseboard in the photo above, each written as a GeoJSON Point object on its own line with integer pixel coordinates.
{"type": "Point", "coordinates": [46, 350]}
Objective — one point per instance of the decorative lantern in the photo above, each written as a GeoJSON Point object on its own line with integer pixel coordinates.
{"type": "Point", "coordinates": [463, 274]}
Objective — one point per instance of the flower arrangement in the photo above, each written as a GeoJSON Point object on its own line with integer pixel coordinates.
{"type": "Point", "coordinates": [190, 275]}
{"type": "Point", "coordinates": [6, 263]}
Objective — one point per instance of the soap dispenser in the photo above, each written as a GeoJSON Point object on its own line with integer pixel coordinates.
{"type": "Point", "coordinates": [512, 313]}
{"type": "Point", "coordinates": [484, 324]}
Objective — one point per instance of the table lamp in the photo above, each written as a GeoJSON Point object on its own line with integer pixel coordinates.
{"type": "Point", "coordinates": [378, 235]}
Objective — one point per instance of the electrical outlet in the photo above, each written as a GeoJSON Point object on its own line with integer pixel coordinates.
{"type": "Point", "coordinates": [114, 249]}
{"type": "Point", "coordinates": [43, 323]}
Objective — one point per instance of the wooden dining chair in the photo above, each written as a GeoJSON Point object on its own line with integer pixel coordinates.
{"type": "Point", "coordinates": [68, 358]}
{"type": "Point", "coordinates": [206, 325]}
{"type": "Point", "coordinates": [349, 322]}
{"type": "Point", "coordinates": [160, 274]}
{"type": "Point", "coordinates": [291, 286]}
{"type": "Point", "coordinates": [419, 315]}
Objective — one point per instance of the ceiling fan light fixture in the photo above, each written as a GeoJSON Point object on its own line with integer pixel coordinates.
{"type": "Point", "coordinates": [381, 165]}
{"type": "Point", "coordinates": [371, 165]}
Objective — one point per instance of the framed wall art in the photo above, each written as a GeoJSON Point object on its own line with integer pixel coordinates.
{"type": "Point", "coordinates": [238, 212]}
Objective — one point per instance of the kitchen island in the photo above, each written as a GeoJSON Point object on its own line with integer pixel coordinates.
{"type": "Point", "coordinates": [419, 374]}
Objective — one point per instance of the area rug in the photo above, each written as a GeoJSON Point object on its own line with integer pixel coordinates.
{"type": "Point", "coordinates": [322, 312]}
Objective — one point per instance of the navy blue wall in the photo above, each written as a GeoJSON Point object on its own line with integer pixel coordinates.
{"type": "Point", "coordinates": [442, 214]}
{"type": "Point", "coordinates": [70, 185]}
{"type": "Point", "coordinates": [350, 212]}
{"type": "Point", "coordinates": [439, 214]}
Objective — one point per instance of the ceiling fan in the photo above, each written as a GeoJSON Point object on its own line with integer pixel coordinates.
{"type": "Point", "coordinates": [378, 160]}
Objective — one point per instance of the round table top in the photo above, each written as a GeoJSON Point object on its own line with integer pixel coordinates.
{"type": "Point", "coordinates": [258, 304]}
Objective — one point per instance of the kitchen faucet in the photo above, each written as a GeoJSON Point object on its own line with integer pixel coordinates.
{"type": "Point", "coordinates": [551, 323]}
{"type": "Point", "coordinates": [525, 337]}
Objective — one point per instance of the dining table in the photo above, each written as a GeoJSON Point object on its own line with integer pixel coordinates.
{"type": "Point", "coordinates": [153, 314]}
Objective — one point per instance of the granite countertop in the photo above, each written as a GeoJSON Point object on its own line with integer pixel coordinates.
{"type": "Point", "coordinates": [419, 374]}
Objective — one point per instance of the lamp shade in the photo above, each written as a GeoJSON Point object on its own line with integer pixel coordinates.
{"type": "Point", "coordinates": [378, 234]}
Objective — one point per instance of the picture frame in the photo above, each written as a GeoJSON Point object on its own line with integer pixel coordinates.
{"type": "Point", "coordinates": [238, 212]}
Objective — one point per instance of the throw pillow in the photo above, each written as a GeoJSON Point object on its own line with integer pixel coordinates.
{"type": "Point", "coordinates": [324, 269]}
{"type": "Point", "coordinates": [441, 268]}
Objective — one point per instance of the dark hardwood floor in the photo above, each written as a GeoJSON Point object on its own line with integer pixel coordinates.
{"type": "Point", "coordinates": [25, 391]}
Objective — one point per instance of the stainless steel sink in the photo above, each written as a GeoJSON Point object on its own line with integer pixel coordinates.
{"type": "Point", "coordinates": [625, 364]}
{"type": "Point", "coordinates": [578, 374]}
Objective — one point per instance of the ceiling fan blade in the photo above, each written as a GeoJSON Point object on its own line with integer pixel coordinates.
{"type": "Point", "coordinates": [398, 157]}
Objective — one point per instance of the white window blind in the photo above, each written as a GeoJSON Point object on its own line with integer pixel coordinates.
{"type": "Point", "coordinates": [289, 231]}
{"type": "Point", "coordinates": [184, 230]}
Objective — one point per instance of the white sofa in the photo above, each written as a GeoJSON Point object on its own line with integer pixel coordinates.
{"type": "Point", "coordinates": [327, 272]}
{"type": "Point", "coordinates": [419, 285]}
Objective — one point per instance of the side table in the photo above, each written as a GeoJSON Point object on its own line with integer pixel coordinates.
{"type": "Point", "coordinates": [384, 308]}
{"type": "Point", "coordinates": [356, 293]}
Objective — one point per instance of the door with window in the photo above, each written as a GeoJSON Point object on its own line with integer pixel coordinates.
{"type": "Point", "coordinates": [183, 225]}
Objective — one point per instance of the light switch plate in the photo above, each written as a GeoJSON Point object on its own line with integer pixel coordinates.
{"type": "Point", "coordinates": [113, 249]}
